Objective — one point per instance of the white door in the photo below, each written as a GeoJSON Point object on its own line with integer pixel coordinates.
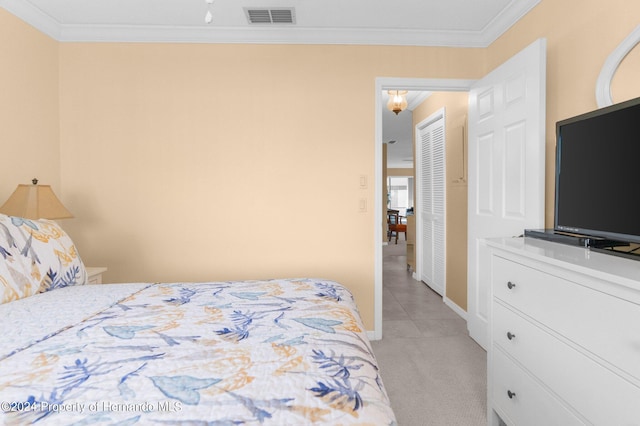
{"type": "Point", "coordinates": [430, 171]}
{"type": "Point", "coordinates": [506, 167]}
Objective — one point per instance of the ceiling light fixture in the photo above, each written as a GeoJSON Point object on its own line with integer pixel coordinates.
{"type": "Point", "coordinates": [397, 100]}
{"type": "Point", "coordinates": [209, 16]}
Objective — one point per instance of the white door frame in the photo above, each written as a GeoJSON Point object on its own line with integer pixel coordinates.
{"type": "Point", "coordinates": [388, 83]}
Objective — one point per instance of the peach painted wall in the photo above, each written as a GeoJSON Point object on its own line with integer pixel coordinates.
{"type": "Point", "coordinates": [580, 36]}
{"type": "Point", "coordinates": [29, 120]}
{"type": "Point", "coordinates": [220, 162]}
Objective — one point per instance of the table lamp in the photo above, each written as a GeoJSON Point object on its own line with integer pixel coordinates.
{"type": "Point", "coordinates": [35, 202]}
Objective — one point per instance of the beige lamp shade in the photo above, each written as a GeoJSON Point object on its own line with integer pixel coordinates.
{"type": "Point", "coordinates": [35, 202]}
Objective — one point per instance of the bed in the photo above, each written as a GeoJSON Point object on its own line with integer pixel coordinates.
{"type": "Point", "coordinates": [272, 352]}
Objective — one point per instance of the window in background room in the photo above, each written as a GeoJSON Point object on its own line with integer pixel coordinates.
{"type": "Point", "coordinates": [400, 195]}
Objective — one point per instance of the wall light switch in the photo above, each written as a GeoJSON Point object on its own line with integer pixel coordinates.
{"type": "Point", "coordinates": [362, 205]}
{"type": "Point", "coordinates": [363, 181]}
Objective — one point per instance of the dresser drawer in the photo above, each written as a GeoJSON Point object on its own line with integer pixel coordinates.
{"type": "Point", "coordinates": [605, 325]}
{"type": "Point", "coordinates": [575, 378]}
{"type": "Point", "coordinates": [522, 400]}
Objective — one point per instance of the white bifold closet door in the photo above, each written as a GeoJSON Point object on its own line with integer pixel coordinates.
{"type": "Point", "coordinates": [430, 141]}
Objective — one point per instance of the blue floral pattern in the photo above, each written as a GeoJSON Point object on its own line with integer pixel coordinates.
{"type": "Point", "coordinates": [276, 352]}
{"type": "Point", "coordinates": [37, 256]}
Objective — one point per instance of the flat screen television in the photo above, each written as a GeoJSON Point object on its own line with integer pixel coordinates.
{"type": "Point", "coordinates": [597, 188]}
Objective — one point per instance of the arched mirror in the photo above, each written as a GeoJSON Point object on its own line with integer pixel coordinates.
{"type": "Point", "coordinates": [603, 85]}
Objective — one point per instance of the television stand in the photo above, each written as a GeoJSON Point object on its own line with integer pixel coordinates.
{"type": "Point", "coordinates": [569, 238]}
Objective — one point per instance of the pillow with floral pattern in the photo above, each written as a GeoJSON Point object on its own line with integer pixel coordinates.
{"type": "Point", "coordinates": [49, 258]}
{"type": "Point", "coordinates": [15, 282]}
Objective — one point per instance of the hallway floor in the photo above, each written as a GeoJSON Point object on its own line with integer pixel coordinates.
{"type": "Point", "coordinates": [434, 373]}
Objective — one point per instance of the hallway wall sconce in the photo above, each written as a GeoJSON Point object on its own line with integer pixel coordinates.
{"type": "Point", "coordinates": [397, 100]}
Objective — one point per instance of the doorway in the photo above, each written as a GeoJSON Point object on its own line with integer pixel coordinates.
{"type": "Point", "coordinates": [384, 84]}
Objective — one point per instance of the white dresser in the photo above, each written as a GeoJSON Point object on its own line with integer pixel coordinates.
{"type": "Point", "coordinates": [564, 336]}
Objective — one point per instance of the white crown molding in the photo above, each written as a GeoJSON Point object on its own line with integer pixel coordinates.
{"type": "Point", "coordinates": [603, 84]}
{"type": "Point", "coordinates": [33, 16]}
{"type": "Point", "coordinates": [507, 18]}
{"type": "Point", "coordinates": [417, 100]}
{"type": "Point", "coordinates": [261, 35]}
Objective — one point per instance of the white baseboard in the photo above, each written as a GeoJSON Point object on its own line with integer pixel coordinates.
{"type": "Point", "coordinates": [372, 335]}
{"type": "Point", "coordinates": [457, 309]}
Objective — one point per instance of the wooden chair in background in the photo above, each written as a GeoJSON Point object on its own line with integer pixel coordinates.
{"type": "Point", "coordinates": [394, 225]}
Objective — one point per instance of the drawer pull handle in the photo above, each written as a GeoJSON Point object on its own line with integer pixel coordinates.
{"type": "Point", "coordinates": [511, 285]}
{"type": "Point", "coordinates": [511, 394]}
{"type": "Point", "coordinates": [510, 335]}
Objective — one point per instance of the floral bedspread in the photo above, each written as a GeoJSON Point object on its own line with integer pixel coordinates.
{"type": "Point", "coordinates": [277, 352]}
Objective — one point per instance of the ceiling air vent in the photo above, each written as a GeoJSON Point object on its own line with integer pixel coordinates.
{"type": "Point", "coordinates": [271, 16]}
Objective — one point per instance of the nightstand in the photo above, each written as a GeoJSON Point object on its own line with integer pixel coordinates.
{"type": "Point", "coordinates": [94, 275]}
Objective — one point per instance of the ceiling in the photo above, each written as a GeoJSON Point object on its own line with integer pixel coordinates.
{"type": "Point", "coordinates": [468, 23]}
